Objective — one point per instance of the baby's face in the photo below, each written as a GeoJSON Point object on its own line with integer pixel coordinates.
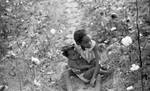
{"type": "Point", "coordinates": [72, 54]}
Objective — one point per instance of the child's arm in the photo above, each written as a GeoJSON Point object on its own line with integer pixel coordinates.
{"type": "Point", "coordinates": [97, 58]}
{"type": "Point", "coordinates": [73, 64]}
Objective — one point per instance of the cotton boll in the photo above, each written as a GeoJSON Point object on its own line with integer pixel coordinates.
{"type": "Point", "coordinates": [110, 89]}
{"type": "Point", "coordinates": [130, 88]}
{"type": "Point", "coordinates": [9, 9]}
{"type": "Point", "coordinates": [11, 53]}
{"type": "Point", "coordinates": [53, 31]}
{"type": "Point", "coordinates": [37, 83]}
{"type": "Point", "coordinates": [126, 41]}
{"type": "Point", "coordinates": [50, 73]}
{"type": "Point", "coordinates": [35, 60]}
{"type": "Point", "coordinates": [7, 1]}
{"type": "Point", "coordinates": [134, 67]}
{"type": "Point", "coordinates": [23, 44]}
{"type": "Point", "coordinates": [141, 35]}
{"type": "Point", "coordinates": [87, 0]}
{"type": "Point", "coordinates": [3, 87]}
{"type": "Point", "coordinates": [92, 23]}
{"type": "Point", "coordinates": [113, 28]}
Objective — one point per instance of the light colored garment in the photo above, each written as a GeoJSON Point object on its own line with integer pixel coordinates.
{"type": "Point", "coordinates": [87, 54]}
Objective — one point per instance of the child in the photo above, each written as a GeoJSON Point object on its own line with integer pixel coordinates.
{"type": "Point", "coordinates": [88, 49]}
{"type": "Point", "coordinates": [79, 65]}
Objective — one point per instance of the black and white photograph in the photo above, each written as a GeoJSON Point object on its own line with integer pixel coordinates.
{"type": "Point", "coordinates": [74, 45]}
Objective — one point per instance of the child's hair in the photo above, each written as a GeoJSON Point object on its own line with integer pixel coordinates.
{"type": "Point", "coordinates": [65, 50]}
{"type": "Point", "coordinates": [79, 35]}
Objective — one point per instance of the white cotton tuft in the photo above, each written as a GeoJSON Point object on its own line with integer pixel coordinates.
{"type": "Point", "coordinates": [141, 35]}
{"type": "Point", "coordinates": [23, 44]}
{"type": "Point", "coordinates": [126, 41]}
{"type": "Point", "coordinates": [35, 60]}
{"type": "Point", "coordinates": [92, 23]}
{"type": "Point", "coordinates": [130, 88]}
{"type": "Point", "coordinates": [50, 72]}
{"type": "Point", "coordinates": [113, 28]}
{"type": "Point", "coordinates": [37, 83]}
{"type": "Point", "coordinates": [11, 53]}
{"type": "Point", "coordinates": [7, 1]}
{"type": "Point", "coordinates": [134, 67]}
{"type": "Point", "coordinates": [53, 31]}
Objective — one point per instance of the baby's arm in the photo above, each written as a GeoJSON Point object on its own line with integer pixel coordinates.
{"type": "Point", "coordinates": [74, 64]}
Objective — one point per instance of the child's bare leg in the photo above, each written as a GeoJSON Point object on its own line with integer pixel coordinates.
{"type": "Point", "coordinates": [98, 83]}
{"type": "Point", "coordinates": [88, 74]}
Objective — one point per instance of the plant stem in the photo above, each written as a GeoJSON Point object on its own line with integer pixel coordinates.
{"type": "Point", "coordinates": [139, 45]}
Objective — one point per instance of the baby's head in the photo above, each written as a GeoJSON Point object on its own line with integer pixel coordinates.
{"type": "Point", "coordinates": [70, 52]}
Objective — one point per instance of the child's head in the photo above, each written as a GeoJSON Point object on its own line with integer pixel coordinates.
{"type": "Point", "coordinates": [70, 52]}
{"type": "Point", "coordinates": [82, 39]}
